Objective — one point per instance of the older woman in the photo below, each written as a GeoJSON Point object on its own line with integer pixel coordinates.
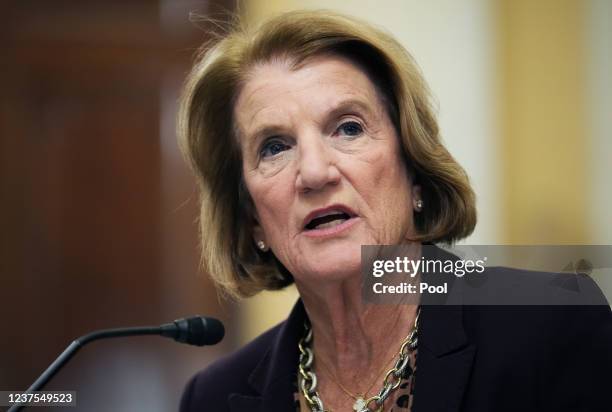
{"type": "Point", "coordinates": [311, 136]}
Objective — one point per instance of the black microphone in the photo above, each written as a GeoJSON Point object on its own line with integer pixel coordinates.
{"type": "Point", "coordinates": [196, 330]}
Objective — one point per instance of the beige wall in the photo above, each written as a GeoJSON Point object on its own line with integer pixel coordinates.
{"type": "Point", "coordinates": [599, 118]}
{"type": "Point", "coordinates": [542, 99]}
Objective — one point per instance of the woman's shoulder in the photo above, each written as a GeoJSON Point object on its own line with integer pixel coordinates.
{"type": "Point", "coordinates": [542, 352]}
{"type": "Point", "coordinates": [549, 320]}
{"type": "Point", "coordinates": [230, 374]}
{"type": "Point", "coordinates": [541, 336]}
{"type": "Point", "coordinates": [531, 303]}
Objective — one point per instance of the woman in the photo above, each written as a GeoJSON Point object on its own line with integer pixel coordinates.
{"type": "Point", "coordinates": [311, 136]}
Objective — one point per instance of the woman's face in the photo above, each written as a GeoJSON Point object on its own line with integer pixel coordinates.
{"type": "Point", "coordinates": [322, 163]}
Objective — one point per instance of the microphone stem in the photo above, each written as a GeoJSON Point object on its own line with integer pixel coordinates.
{"type": "Point", "coordinates": [72, 349]}
{"type": "Point", "coordinates": [115, 333]}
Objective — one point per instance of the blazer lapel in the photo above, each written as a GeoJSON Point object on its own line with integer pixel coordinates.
{"type": "Point", "coordinates": [444, 360]}
{"type": "Point", "coordinates": [275, 376]}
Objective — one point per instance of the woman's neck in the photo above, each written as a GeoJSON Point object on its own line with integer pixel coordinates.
{"type": "Point", "coordinates": [354, 340]}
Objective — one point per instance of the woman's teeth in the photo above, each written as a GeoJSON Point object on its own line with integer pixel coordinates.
{"type": "Point", "coordinates": [330, 224]}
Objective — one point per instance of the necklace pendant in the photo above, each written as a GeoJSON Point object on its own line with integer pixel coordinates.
{"type": "Point", "coordinates": [360, 405]}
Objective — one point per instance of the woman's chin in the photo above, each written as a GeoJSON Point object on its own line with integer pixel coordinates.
{"type": "Point", "coordinates": [332, 267]}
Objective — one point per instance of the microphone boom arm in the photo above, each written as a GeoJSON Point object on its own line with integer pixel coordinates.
{"type": "Point", "coordinates": [196, 330]}
{"type": "Point", "coordinates": [77, 344]}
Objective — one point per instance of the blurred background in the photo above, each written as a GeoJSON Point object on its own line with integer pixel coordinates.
{"type": "Point", "coordinates": [97, 209]}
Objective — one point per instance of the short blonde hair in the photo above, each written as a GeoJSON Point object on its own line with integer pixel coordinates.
{"type": "Point", "coordinates": [208, 138]}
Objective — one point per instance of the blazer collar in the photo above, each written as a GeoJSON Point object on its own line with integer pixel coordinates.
{"type": "Point", "coordinates": [274, 378]}
{"type": "Point", "coordinates": [444, 361]}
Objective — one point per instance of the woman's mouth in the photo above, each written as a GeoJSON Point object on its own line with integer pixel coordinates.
{"type": "Point", "coordinates": [329, 221]}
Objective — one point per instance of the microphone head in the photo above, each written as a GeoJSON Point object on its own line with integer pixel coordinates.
{"type": "Point", "coordinates": [200, 331]}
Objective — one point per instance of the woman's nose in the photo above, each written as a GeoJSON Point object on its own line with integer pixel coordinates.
{"type": "Point", "coordinates": [316, 165]}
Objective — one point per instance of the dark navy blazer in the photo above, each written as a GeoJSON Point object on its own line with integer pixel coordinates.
{"type": "Point", "coordinates": [470, 358]}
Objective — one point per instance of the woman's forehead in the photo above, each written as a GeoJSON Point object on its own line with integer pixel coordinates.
{"type": "Point", "coordinates": [323, 84]}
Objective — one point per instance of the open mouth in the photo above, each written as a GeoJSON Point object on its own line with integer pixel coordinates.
{"type": "Point", "coordinates": [327, 218]}
{"type": "Point", "coordinates": [327, 221]}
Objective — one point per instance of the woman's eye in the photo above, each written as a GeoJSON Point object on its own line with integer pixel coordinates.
{"type": "Point", "coordinates": [272, 148]}
{"type": "Point", "coordinates": [350, 129]}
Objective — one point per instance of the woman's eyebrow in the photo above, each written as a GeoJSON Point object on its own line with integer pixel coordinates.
{"type": "Point", "coordinates": [350, 106]}
{"type": "Point", "coordinates": [263, 132]}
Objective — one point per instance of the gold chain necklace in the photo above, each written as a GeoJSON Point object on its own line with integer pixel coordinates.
{"type": "Point", "coordinates": [359, 398]}
{"type": "Point", "coordinates": [307, 379]}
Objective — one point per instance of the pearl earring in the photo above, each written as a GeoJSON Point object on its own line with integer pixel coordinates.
{"type": "Point", "coordinates": [419, 205]}
{"type": "Point", "coordinates": [261, 245]}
